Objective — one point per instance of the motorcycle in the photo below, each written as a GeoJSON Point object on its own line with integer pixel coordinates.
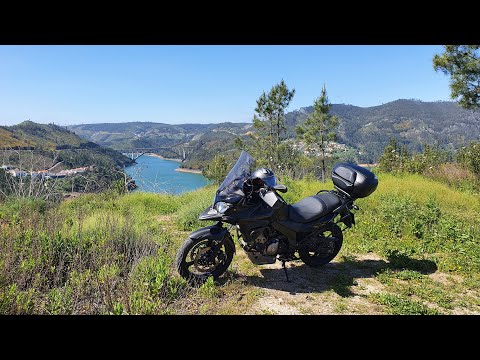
{"type": "Point", "coordinates": [266, 227]}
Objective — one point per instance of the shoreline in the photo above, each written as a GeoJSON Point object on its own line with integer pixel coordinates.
{"type": "Point", "coordinates": [161, 157]}
{"type": "Point", "coordinates": [193, 171]}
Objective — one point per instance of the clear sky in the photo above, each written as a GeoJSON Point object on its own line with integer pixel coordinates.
{"type": "Point", "coordinates": [203, 84]}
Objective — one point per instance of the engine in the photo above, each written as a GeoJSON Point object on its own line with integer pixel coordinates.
{"type": "Point", "coordinates": [267, 241]}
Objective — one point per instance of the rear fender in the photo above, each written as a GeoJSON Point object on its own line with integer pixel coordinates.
{"type": "Point", "coordinates": [347, 217]}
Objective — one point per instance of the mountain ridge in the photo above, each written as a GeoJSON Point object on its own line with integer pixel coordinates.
{"type": "Point", "coordinates": [46, 139]}
{"type": "Point", "coordinates": [366, 129]}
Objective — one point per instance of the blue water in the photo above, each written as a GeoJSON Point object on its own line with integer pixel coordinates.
{"type": "Point", "coordinates": [153, 174]}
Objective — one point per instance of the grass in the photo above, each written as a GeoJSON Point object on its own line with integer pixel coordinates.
{"type": "Point", "coordinates": [421, 218]}
{"type": "Point", "coordinates": [342, 285]}
{"type": "Point", "coordinates": [112, 254]}
{"type": "Point", "coordinates": [341, 306]}
{"type": "Point", "coordinates": [398, 305]}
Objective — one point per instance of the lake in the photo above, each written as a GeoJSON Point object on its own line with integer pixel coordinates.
{"type": "Point", "coordinates": [153, 174]}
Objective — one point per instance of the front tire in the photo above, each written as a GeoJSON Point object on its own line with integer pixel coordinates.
{"type": "Point", "coordinates": [322, 248]}
{"type": "Point", "coordinates": [194, 259]}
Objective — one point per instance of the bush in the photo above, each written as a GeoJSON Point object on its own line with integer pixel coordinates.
{"type": "Point", "coordinates": [78, 257]}
{"type": "Point", "coordinates": [154, 285]}
{"type": "Point", "coordinates": [193, 204]}
{"type": "Point", "coordinates": [217, 169]}
{"type": "Point", "coordinates": [436, 163]}
{"type": "Point", "coordinates": [470, 157]}
{"type": "Point", "coordinates": [455, 175]}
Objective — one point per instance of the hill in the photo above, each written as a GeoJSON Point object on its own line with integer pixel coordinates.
{"type": "Point", "coordinates": [148, 134]}
{"type": "Point", "coordinates": [412, 122]}
{"type": "Point", "coordinates": [47, 137]}
{"type": "Point", "coordinates": [49, 141]}
{"type": "Point", "coordinates": [367, 130]}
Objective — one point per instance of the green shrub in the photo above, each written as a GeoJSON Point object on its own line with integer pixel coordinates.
{"type": "Point", "coordinates": [15, 301]}
{"type": "Point", "coordinates": [154, 285]}
{"type": "Point", "coordinates": [193, 204]}
{"type": "Point", "coordinates": [470, 157]}
{"type": "Point", "coordinates": [59, 301]}
{"type": "Point", "coordinates": [209, 290]}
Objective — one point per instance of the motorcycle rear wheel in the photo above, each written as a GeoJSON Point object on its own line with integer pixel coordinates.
{"type": "Point", "coordinates": [194, 261]}
{"type": "Point", "coordinates": [317, 254]}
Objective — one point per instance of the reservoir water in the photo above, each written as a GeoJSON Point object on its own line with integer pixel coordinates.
{"type": "Point", "coordinates": [153, 174]}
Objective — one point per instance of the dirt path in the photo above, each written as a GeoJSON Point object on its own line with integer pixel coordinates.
{"type": "Point", "coordinates": [336, 288]}
{"type": "Point", "coordinates": [343, 286]}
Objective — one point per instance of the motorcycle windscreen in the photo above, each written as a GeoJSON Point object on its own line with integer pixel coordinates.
{"type": "Point", "coordinates": [230, 190]}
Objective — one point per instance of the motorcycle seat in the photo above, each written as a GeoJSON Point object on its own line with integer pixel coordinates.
{"type": "Point", "coordinates": [313, 207]}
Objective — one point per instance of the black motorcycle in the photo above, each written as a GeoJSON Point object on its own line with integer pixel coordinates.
{"type": "Point", "coordinates": [266, 226]}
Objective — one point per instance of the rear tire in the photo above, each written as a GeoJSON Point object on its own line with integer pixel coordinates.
{"type": "Point", "coordinates": [318, 253]}
{"type": "Point", "coordinates": [193, 264]}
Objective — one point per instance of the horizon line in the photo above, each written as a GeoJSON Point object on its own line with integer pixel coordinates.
{"type": "Point", "coordinates": [222, 122]}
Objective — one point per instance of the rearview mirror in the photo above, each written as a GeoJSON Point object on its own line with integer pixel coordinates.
{"type": "Point", "coordinates": [281, 188]}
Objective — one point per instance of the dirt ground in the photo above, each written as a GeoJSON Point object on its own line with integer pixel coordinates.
{"type": "Point", "coordinates": [327, 290]}
{"type": "Point", "coordinates": [340, 287]}
{"type": "Point", "coordinates": [347, 285]}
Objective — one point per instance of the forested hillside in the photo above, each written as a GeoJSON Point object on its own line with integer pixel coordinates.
{"type": "Point", "coordinates": [412, 122]}
{"type": "Point", "coordinates": [30, 149]}
{"type": "Point", "coordinates": [49, 141]}
{"type": "Point", "coordinates": [366, 130]}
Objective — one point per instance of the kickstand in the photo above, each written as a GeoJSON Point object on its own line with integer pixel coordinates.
{"type": "Point", "coordinates": [285, 269]}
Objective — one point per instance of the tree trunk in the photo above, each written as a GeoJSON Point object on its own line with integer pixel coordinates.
{"type": "Point", "coordinates": [323, 165]}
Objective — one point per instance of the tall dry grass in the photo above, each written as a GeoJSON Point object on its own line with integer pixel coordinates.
{"type": "Point", "coordinates": [59, 260]}
{"type": "Point", "coordinates": [455, 175]}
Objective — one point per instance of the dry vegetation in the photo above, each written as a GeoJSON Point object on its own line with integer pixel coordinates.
{"type": "Point", "coordinates": [415, 250]}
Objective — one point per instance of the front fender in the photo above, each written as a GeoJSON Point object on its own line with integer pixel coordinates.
{"type": "Point", "coordinates": [214, 232]}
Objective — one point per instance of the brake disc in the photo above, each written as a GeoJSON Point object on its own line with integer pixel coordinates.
{"type": "Point", "coordinates": [201, 262]}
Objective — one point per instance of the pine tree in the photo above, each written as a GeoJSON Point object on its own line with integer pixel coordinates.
{"type": "Point", "coordinates": [388, 161]}
{"type": "Point", "coordinates": [462, 63]}
{"type": "Point", "coordinates": [318, 130]}
{"type": "Point", "coordinates": [269, 123]}
{"type": "Point", "coordinates": [217, 169]}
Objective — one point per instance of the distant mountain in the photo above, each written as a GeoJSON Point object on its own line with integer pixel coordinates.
{"type": "Point", "coordinates": [367, 130]}
{"type": "Point", "coordinates": [412, 122]}
{"type": "Point", "coordinates": [148, 134]}
{"type": "Point", "coordinates": [205, 139]}
{"type": "Point", "coordinates": [53, 140]}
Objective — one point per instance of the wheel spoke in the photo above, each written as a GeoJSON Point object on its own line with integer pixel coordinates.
{"type": "Point", "coordinates": [200, 262]}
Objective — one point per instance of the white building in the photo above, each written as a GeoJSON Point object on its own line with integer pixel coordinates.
{"type": "Point", "coordinates": [17, 173]}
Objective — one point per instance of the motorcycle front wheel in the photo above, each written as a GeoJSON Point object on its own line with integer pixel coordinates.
{"type": "Point", "coordinates": [195, 260]}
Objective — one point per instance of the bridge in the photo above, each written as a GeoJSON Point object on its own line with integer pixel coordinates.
{"type": "Point", "coordinates": [180, 151]}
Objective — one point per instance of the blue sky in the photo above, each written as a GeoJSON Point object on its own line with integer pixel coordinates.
{"type": "Point", "coordinates": [203, 84]}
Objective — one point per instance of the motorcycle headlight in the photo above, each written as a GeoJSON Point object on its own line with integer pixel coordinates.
{"type": "Point", "coordinates": [221, 206]}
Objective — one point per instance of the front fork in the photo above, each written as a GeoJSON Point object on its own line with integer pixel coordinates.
{"type": "Point", "coordinates": [217, 244]}
{"type": "Point", "coordinates": [239, 238]}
